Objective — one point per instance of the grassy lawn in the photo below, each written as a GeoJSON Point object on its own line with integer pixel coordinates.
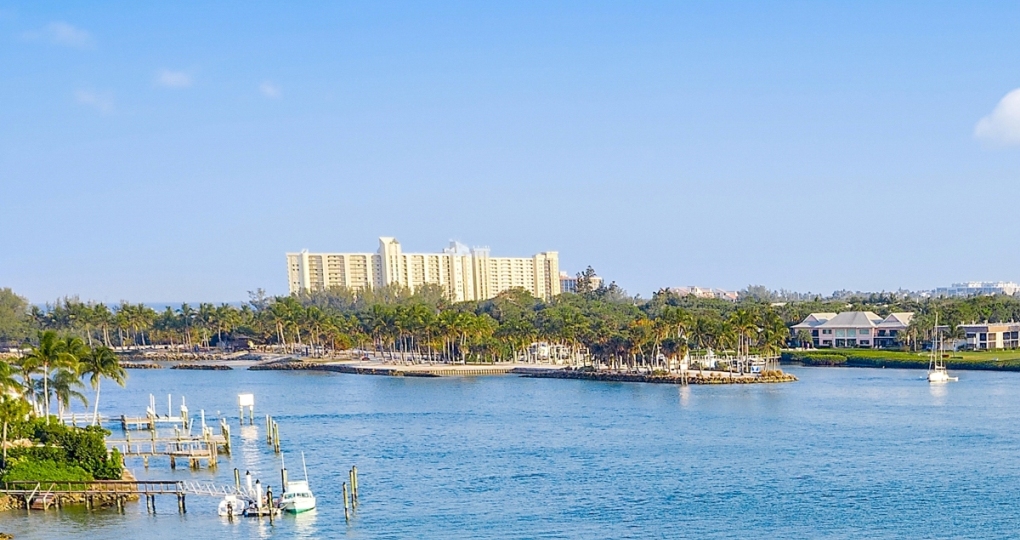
{"type": "Point", "coordinates": [1005, 360]}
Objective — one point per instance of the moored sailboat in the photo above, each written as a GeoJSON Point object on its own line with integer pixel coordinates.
{"type": "Point", "coordinates": [937, 373]}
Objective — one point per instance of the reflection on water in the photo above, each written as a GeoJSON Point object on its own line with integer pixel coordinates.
{"type": "Point", "coordinates": [304, 524]}
{"type": "Point", "coordinates": [844, 453]}
{"type": "Point", "coordinates": [939, 392]}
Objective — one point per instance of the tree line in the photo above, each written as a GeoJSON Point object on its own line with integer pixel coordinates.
{"type": "Point", "coordinates": [601, 323]}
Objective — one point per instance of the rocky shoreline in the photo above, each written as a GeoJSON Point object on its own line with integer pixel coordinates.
{"type": "Point", "coordinates": [140, 365]}
{"type": "Point", "coordinates": [692, 378]}
{"type": "Point", "coordinates": [203, 367]}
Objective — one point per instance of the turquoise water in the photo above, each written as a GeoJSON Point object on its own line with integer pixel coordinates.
{"type": "Point", "coordinates": [844, 453]}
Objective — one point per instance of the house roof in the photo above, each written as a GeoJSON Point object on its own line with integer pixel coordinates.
{"type": "Point", "coordinates": [853, 319]}
{"type": "Point", "coordinates": [813, 320]}
{"type": "Point", "coordinates": [898, 320]}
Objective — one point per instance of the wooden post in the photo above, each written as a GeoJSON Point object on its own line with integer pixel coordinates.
{"type": "Point", "coordinates": [184, 504]}
{"type": "Point", "coordinates": [237, 479]}
{"type": "Point", "coordinates": [347, 515]}
{"type": "Point", "coordinates": [173, 463]}
{"type": "Point", "coordinates": [269, 502]}
{"type": "Point", "coordinates": [269, 430]}
{"type": "Point", "coordinates": [354, 487]}
{"type": "Point", "coordinates": [354, 499]}
{"type": "Point", "coordinates": [240, 414]}
{"type": "Point", "coordinates": [276, 437]}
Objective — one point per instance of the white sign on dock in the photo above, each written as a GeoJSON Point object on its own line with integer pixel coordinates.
{"type": "Point", "coordinates": [247, 400]}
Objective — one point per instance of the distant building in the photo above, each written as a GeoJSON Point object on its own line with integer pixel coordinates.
{"type": "Point", "coordinates": [852, 329]}
{"type": "Point", "coordinates": [991, 335]}
{"type": "Point", "coordinates": [568, 283]}
{"type": "Point", "coordinates": [978, 288]}
{"type": "Point", "coordinates": [702, 292]}
{"type": "Point", "coordinates": [465, 274]}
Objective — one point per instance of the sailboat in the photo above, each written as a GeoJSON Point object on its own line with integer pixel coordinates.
{"type": "Point", "coordinates": [297, 497]}
{"type": "Point", "coordinates": [937, 373]}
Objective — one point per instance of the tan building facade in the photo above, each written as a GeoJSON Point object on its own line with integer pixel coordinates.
{"type": "Point", "coordinates": [465, 274]}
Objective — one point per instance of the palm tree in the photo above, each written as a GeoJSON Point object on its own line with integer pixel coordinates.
{"type": "Point", "coordinates": [64, 384]}
{"type": "Point", "coordinates": [8, 382]}
{"type": "Point", "coordinates": [99, 363]}
{"type": "Point", "coordinates": [51, 353]}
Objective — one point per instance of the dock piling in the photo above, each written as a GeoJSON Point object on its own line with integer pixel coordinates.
{"type": "Point", "coordinates": [347, 515]}
{"type": "Point", "coordinates": [354, 485]}
{"type": "Point", "coordinates": [354, 499]}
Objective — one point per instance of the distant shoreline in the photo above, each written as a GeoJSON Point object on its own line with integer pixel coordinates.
{"type": "Point", "coordinates": [1004, 360]}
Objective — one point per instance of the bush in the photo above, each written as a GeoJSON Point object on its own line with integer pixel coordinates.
{"type": "Point", "coordinates": [815, 358]}
{"type": "Point", "coordinates": [82, 448]}
{"type": "Point", "coordinates": [45, 470]}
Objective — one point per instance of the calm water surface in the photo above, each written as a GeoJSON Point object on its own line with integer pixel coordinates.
{"type": "Point", "coordinates": [844, 453]}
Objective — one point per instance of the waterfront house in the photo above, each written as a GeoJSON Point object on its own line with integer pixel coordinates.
{"type": "Point", "coordinates": [852, 329]}
{"type": "Point", "coordinates": [984, 336]}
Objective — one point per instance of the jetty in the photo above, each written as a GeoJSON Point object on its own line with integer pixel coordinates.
{"type": "Point", "coordinates": [35, 495]}
{"type": "Point", "coordinates": [193, 448]}
{"type": "Point", "coordinates": [749, 371]}
{"type": "Point", "coordinates": [402, 370]}
{"type": "Point", "coordinates": [685, 378]}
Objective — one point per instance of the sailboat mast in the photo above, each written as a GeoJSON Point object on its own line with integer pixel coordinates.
{"type": "Point", "coordinates": [304, 467]}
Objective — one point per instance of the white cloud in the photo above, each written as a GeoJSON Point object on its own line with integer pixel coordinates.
{"type": "Point", "coordinates": [61, 33]}
{"type": "Point", "coordinates": [101, 102]}
{"type": "Point", "coordinates": [173, 79]}
{"type": "Point", "coordinates": [1003, 125]}
{"type": "Point", "coordinates": [269, 90]}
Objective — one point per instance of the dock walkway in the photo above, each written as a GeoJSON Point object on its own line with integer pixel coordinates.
{"type": "Point", "coordinates": [43, 495]}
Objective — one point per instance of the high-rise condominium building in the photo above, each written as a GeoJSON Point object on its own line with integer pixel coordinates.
{"type": "Point", "coordinates": [465, 274]}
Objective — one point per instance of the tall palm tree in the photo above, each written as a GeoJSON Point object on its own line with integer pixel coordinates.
{"type": "Point", "coordinates": [98, 364]}
{"type": "Point", "coordinates": [65, 384]}
{"type": "Point", "coordinates": [8, 382]}
{"type": "Point", "coordinates": [51, 353]}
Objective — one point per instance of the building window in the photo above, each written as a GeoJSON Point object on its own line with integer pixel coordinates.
{"type": "Point", "coordinates": [863, 332]}
{"type": "Point", "coordinates": [840, 333]}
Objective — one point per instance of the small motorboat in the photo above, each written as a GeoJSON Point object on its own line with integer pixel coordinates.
{"type": "Point", "coordinates": [231, 506]}
{"type": "Point", "coordinates": [297, 496]}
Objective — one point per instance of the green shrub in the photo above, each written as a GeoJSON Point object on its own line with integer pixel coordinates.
{"type": "Point", "coordinates": [45, 470]}
{"type": "Point", "coordinates": [815, 358]}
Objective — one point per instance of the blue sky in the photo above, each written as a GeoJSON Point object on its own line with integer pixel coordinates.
{"type": "Point", "coordinates": [175, 152]}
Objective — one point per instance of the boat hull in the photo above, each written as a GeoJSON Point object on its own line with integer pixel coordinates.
{"type": "Point", "coordinates": [299, 506]}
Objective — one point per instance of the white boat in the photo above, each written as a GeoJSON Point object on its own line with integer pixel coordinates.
{"type": "Point", "coordinates": [297, 496]}
{"type": "Point", "coordinates": [231, 506]}
{"type": "Point", "coordinates": [937, 373]}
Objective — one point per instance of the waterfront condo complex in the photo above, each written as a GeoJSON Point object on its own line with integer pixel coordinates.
{"type": "Point", "coordinates": [465, 273]}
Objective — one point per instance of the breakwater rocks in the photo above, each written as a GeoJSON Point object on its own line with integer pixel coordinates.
{"type": "Point", "coordinates": [287, 365]}
{"type": "Point", "coordinates": [203, 367]}
{"type": "Point", "coordinates": [140, 365]}
{"type": "Point", "coordinates": [663, 378]}
{"type": "Point", "coordinates": [8, 503]}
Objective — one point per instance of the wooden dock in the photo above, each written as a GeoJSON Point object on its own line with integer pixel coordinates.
{"type": "Point", "coordinates": [44, 495]}
{"type": "Point", "coordinates": [193, 448]}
